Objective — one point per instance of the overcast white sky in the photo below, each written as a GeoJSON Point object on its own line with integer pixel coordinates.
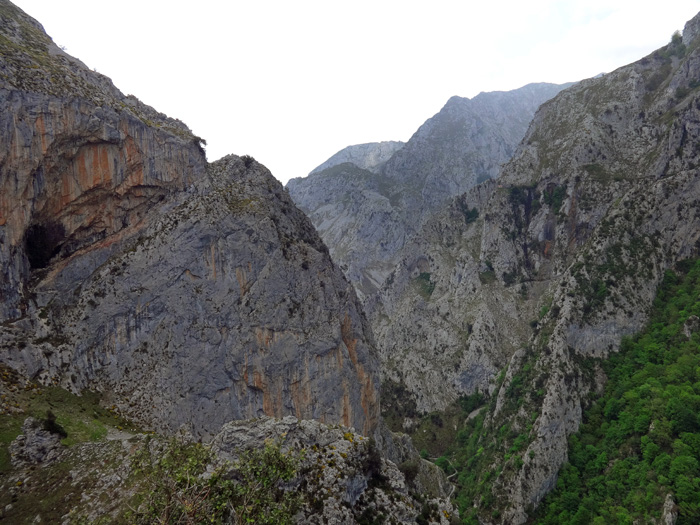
{"type": "Point", "coordinates": [292, 82]}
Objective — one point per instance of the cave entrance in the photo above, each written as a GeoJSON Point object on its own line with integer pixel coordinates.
{"type": "Point", "coordinates": [42, 241]}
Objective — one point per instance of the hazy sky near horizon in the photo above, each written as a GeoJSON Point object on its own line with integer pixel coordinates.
{"type": "Point", "coordinates": [292, 83]}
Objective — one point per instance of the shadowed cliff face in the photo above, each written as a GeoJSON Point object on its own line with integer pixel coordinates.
{"type": "Point", "coordinates": [191, 294]}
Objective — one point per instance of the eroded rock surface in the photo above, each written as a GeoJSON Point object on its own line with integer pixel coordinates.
{"type": "Point", "coordinates": [340, 477]}
{"type": "Point", "coordinates": [562, 260]}
{"type": "Point", "coordinates": [344, 474]}
{"type": "Point", "coordinates": [35, 445]}
{"type": "Point", "coordinates": [366, 212]}
{"type": "Point", "coordinates": [371, 156]}
{"type": "Point", "coordinates": [190, 294]}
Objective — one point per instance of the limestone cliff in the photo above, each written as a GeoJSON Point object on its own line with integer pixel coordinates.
{"type": "Point", "coordinates": [80, 161]}
{"type": "Point", "coordinates": [516, 288]}
{"type": "Point", "coordinates": [366, 215]}
{"type": "Point", "coordinates": [190, 294]}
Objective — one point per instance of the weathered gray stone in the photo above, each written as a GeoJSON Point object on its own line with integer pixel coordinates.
{"type": "Point", "coordinates": [190, 294]}
{"type": "Point", "coordinates": [670, 511]}
{"type": "Point", "coordinates": [35, 445]}
{"type": "Point", "coordinates": [370, 157]}
{"type": "Point", "coordinates": [366, 214]}
{"type": "Point", "coordinates": [78, 162]}
{"type": "Point", "coordinates": [338, 474]}
{"type": "Point", "coordinates": [691, 325]}
{"type": "Point", "coordinates": [570, 244]}
{"type": "Point", "coordinates": [564, 259]}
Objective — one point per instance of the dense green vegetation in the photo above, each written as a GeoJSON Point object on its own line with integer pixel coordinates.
{"type": "Point", "coordinates": [470, 214]}
{"type": "Point", "coordinates": [555, 198]}
{"type": "Point", "coordinates": [638, 443]}
{"type": "Point", "coordinates": [641, 440]}
{"type": "Point", "coordinates": [477, 461]}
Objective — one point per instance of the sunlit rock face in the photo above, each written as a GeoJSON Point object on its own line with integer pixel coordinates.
{"type": "Point", "coordinates": [190, 293]}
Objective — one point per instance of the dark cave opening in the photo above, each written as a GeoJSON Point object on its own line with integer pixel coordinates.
{"type": "Point", "coordinates": [42, 242]}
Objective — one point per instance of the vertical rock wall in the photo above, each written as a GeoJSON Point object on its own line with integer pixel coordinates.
{"type": "Point", "coordinates": [190, 294]}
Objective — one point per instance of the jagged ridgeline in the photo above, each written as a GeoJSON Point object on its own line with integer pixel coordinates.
{"type": "Point", "coordinates": [503, 295]}
{"type": "Point", "coordinates": [182, 295]}
{"type": "Point", "coordinates": [597, 204]}
{"type": "Point", "coordinates": [189, 294]}
{"type": "Point", "coordinates": [367, 200]}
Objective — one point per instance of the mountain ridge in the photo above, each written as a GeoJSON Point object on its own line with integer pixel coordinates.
{"type": "Point", "coordinates": [125, 254]}
{"type": "Point", "coordinates": [463, 144]}
{"type": "Point", "coordinates": [370, 156]}
{"type": "Point", "coordinates": [562, 260]}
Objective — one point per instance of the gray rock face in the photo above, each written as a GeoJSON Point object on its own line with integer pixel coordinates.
{"type": "Point", "coordinates": [79, 161]}
{"type": "Point", "coordinates": [563, 260]}
{"type": "Point", "coordinates": [464, 144]}
{"type": "Point", "coordinates": [227, 307]}
{"type": "Point", "coordinates": [191, 294]}
{"type": "Point", "coordinates": [370, 157]}
{"type": "Point", "coordinates": [366, 215]}
{"type": "Point", "coordinates": [355, 211]}
{"type": "Point", "coordinates": [670, 512]}
{"type": "Point", "coordinates": [440, 330]}
{"type": "Point", "coordinates": [35, 445]}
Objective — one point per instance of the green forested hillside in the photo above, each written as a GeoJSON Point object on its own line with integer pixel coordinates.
{"type": "Point", "coordinates": [641, 440]}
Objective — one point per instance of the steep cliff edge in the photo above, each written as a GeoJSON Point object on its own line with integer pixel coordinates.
{"type": "Point", "coordinates": [627, 163]}
{"type": "Point", "coordinates": [80, 162]}
{"type": "Point", "coordinates": [517, 289]}
{"type": "Point", "coordinates": [367, 214]}
{"type": "Point", "coordinates": [190, 294]}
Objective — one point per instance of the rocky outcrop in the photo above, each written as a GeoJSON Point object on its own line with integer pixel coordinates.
{"type": "Point", "coordinates": [190, 294]}
{"type": "Point", "coordinates": [441, 332]}
{"type": "Point", "coordinates": [371, 156]}
{"type": "Point", "coordinates": [338, 478]}
{"type": "Point", "coordinates": [366, 215]}
{"type": "Point", "coordinates": [464, 144]}
{"type": "Point", "coordinates": [344, 476]}
{"type": "Point", "coordinates": [80, 163]}
{"type": "Point", "coordinates": [35, 445]}
{"type": "Point", "coordinates": [628, 172]}
{"type": "Point", "coordinates": [354, 211]}
{"type": "Point", "coordinates": [670, 511]}
{"type": "Point", "coordinates": [227, 307]}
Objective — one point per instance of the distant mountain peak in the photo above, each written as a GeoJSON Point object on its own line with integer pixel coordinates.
{"type": "Point", "coordinates": [370, 156]}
